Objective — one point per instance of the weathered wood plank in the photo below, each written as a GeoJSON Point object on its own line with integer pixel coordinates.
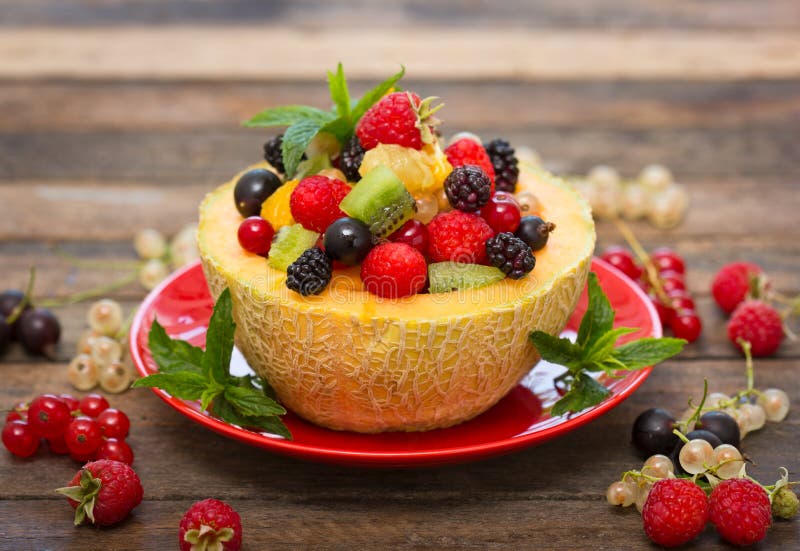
{"type": "Point", "coordinates": [248, 51]}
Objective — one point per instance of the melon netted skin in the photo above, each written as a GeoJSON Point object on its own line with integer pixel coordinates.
{"type": "Point", "coordinates": [349, 360]}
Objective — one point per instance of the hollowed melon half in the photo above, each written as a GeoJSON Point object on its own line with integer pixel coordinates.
{"type": "Point", "coordinates": [349, 360]}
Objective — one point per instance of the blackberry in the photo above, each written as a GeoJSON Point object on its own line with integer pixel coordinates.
{"type": "Point", "coordinates": [350, 159]}
{"type": "Point", "coordinates": [309, 274]}
{"type": "Point", "coordinates": [506, 171]}
{"type": "Point", "coordinates": [468, 188]}
{"type": "Point", "coordinates": [273, 153]}
{"type": "Point", "coordinates": [511, 254]}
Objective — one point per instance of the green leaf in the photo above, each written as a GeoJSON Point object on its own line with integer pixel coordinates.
{"type": "Point", "coordinates": [251, 402]}
{"type": "Point", "coordinates": [337, 84]}
{"type": "Point", "coordinates": [219, 340]}
{"type": "Point", "coordinates": [599, 316]}
{"type": "Point", "coordinates": [223, 409]}
{"type": "Point", "coordinates": [647, 351]}
{"type": "Point", "coordinates": [584, 392]}
{"type": "Point", "coordinates": [341, 128]}
{"type": "Point", "coordinates": [209, 395]}
{"type": "Point", "coordinates": [604, 344]}
{"type": "Point", "coordinates": [288, 115]}
{"type": "Point", "coordinates": [295, 141]}
{"type": "Point", "coordinates": [557, 350]}
{"type": "Point", "coordinates": [372, 96]}
{"type": "Point", "coordinates": [187, 385]}
{"type": "Point", "coordinates": [173, 355]}
{"type": "Point", "coordinates": [273, 425]}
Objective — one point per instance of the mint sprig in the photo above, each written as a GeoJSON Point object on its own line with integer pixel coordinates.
{"type": "Point", "coordinates": [190, 373]}
{"type": "Point", "coordinates": [305, 122]}
{"type": "Point", "coordinates": [595, 350]}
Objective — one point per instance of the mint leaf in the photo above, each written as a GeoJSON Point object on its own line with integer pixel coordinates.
{"type": "Point", "coordinates": [295, 141]}
{"type": "Point", "coordinates": [647, 351]}
{"type": "Point", "coordinates": [187, 385]}
{"type": "Point", "coordinates": [173, 355]}
{"type": "Point", "coordinates": [557, 350]}
{"type": "Point", "coordinates": [604, 344]}
{"type": "Point", "coordinates": [223, 409]}
{"type": "Point", "coordinates": [219, 340]}
{"type": "Point", "coordinates": [372, 96]}
{"type": "Point", "coordinates": [252, 402]}
{"type": "Point", "coordinates": [273, 425]}
{"type": "Point", "coordinates": [340, 95]}
{"type": "Point", "coordinates": [288, 115]}
{"type": "Point", "coordinates": [599, 316]}
{"type": "Point", "coordinates": [341, 128]}
{"type": "Point", "coordinates": [584, 392]}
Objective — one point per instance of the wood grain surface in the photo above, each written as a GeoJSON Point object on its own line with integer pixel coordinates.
{"type": "Point", "coordinates": [116, 116]}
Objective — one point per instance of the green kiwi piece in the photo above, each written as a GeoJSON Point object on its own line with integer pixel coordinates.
{"type": "Point", "coordinates": [288, 244]}
{"type": "Point", "coordinates": [444, 277]}
{"type": "Point", "coordinates": [381, 201]}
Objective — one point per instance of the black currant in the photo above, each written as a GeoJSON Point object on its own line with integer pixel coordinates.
{"type": "Point", "coordinates": [721, 424]}
{"type": "Point", "coordinates": [252, 189]}
{"type": "Point", "coordinates": [348, 240]}
{"type": "Point", "coordinates": [534, 231]}
{"type": "Point", "coordinates": [39, 331]}
{"type": "Point", "coordinates": [9, 300]}
{"type": "Point", "coordinates": [5, 334]}
{"type": "Point", "coordinates": [652, 432]}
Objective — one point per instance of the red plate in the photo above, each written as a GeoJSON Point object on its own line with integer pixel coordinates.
{"type": "Point", "coordinates": [183, 306]}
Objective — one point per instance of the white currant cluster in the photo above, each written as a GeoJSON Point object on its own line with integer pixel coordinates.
{"type": "Point", "coordinates": [160, 256]}
{"type": "Point", "coordinates": [751, 408]}
{"type": "Point", "coordinates": [101, 357]}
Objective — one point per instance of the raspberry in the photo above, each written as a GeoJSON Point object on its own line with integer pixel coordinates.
{"type": "Point", "coordinates": [210, 524]}
{"type": "Point", "coordinates": [394, 270]}
{"type": "Point", "coordinates": [741, 511]}
{"type": "Point", "coordinates": [400, 118]}
{"type": "Point", "coordinates": [511, 254]}
{"type": "Point", "coordinates": [309, 274]}
{"type": "Point", "coordinates": [731, 285]}
{"type": "Point", "coordinates": [273, 154]}
{"type": "Point", "coordinates": [459, 237]}
{"type": "Point", "coordinates": [469, 152]}
{"type": "Point", "coordinates": [103, 491]}
{"type": "Point", "coordinates": [468, 188]}
{"type": "Point", "coordinates": [505, 164]}
{"type": "Point", "coordinates": [350, 159]}
{"type": "Point", "coordinates": [676, 511]}
{"type": "Point", "coordinates": [315, 202]}
{"type": "Point", "coordinates": [759, 323]}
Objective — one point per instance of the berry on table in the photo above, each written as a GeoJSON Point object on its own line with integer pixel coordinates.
{"type": "Point", "coordinates": [105, 317]}
{"type": "Point", "coordinates": [103, 492]}
{"type": "Point", "coordinates": [5, 334]}
{"type": "Point", "coordinates": [667, 260]}
{"type": "Point", "coordinates": [695, 455]}
{"type": "Point", "coordinates": [150, 243]}
{"type": "Point", "coordinates": [314, 203]}
{"type": "Point", "coordinates": [105, 350]}
{"type": "Point", "coordinates": [534, 231]}
{"type": "Point", "coordinates": [348, 240]}
{"type": "Point", "coordinates": [686, 324]}
{"type": "Point", "coordinates": [510, 254]}
{"type": "Point", "coordinates": [622, 492]}
{"type": "Point", "coordinates": [505, 164]}
{"type": "Point", "coordinates": [740, 510]}
{"type": "Point", "coordinates": [93, 405]}
{"type": "Point", "coordinates": [9, 300]}
{"type": "Point", "coordinates": [394, 270]}
{"type": "Point", "coordinates": [658, 465]}
{"type": "Point", "coordinates": [676, 512]}
{"type": "Point", "coordinates": [83, 436]}
{"type": "Point", "coordinates": [113, 423]}
{"type": "Point", "coordinates": [468, 152]}
{"type": "Point", "coordinates": [252, 189]}
{"type": "Point", "coordinates": [502, 213]}
{"type": "Point", "coordinates": [152, 272]}
{"type": "Point", "coordinates": [115, 449]}
{"type": "Point", "coordinates": [20, 439]}
{"type": "Point", "coordinates": [39, 331]}
{"type": "Point", "coordinates": [48, 415]}
{"type": "Point", "coordinates": [413, 233]}
{"type": "Point", "coordinates": [57, 445]}
{"type": "Point", "coordinates": [458, 236]}
{"type": "Point", "coordinates": [732, 284]}
{"type": "Point", "coordinates": [255, 235]}
{"type": "Point", "coordinates": [622, 259]}
{"type": "Point", "coordinates": [310, 273]}
{"type": "Point", "coordinates": [759, 324]}
{"type": "Point", "coordinates": [721, 424]}
{"type": "Point", "coordinates": [671, 282]}
{"type": "Point", "coordinates": [82, 372]}
{"type": "Point", "coordinates": [728, 461]}
{"type": "Point", "coordinates": [400, 118]}
{"type": "Point", "coordinates": [468, 188]}
{"type": "Point", "coordinates": [655, 177]}
{"type": "Point", "coordinates": [775, 403]}
{"type": "Point", "coordinates": [652, 432]}
{"type": "Point", "coordinates": [210, 524]}
{"type": "Point", "coordinates": [785, 503]}
{"type": "Point", "coordinates": [18, 412]}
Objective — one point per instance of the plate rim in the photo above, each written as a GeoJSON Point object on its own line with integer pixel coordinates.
{"type": "Point", "coordinates": [449, 455]}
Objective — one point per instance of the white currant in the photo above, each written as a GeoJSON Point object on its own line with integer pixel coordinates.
{"type": "Point", "coordinates": [659, 466]}
{"type": "Point", "coordinates": [105, 317]}
{"type": "Point", "coordinates": [150, 243]}
{"type": "Point", "coordinates": [728, 460]}
{"type": "Point", "coordinates": [105, 351]}
{"type": "Point", "coordinates": [152, 273]}
{"type": "Point", "coordinates": [655, 177]}
{"type": "Point", "coordinates": [695, 455]}
{"type": "Point", "coordinates": [775, 403]}
{"type": "Point", "coordinates": [82, 372]}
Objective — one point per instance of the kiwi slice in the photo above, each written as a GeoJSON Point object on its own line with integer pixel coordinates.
{"type": "Point", "coordinates": [288, 244]}
{"type": "Point", "coordinates": [381, 201]}
{"type": "Point", "coordinates": [444, 277]}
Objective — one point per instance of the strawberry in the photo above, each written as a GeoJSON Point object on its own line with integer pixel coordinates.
{"type": "Point", "coordinates": [400, 118]}
{"type": "Point", "coordinates": [676, 511]}
{"type": "Point", "coordinates": [394, 270]}
{"type": "Point", "coordinates": [741, 511]}
{"type": "Point", "coordinates": [210, 524]}
{"type": "Point", "coordinates": [104, 492]}
{"type": "Point", "coordinates": [732, 284]}
{"type": "Point", "coordinates": [758, 323]}
{"type": "Point", "coordinates": [469, 152]}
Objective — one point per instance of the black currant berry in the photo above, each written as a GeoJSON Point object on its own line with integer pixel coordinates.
{"type": "Point", "coordinates": [39, 331]}
{"type": "Point", "coordinates": [348, 240]}
{"type": "Point", "coordinates": [721, 424]}
{"type": "Point", "coordinates": [652, 432]}
{"type": "Point", "coordinates": [252, 189]}
{"type": "Point", "coordinates": [9, 300]}
{"type": "Point", "coordinates": [534, 231]}
{"type": "Point", "coordinates": [5, 334]}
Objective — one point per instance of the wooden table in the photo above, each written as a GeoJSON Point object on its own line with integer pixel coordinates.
{"type": "Point", "coordinates": [120, 116]}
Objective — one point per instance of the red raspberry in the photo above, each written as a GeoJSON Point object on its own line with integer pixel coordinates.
{"type": "Point", "coordinates": [732, 284]}
{"type": "Point", "coordinates": [760, 324]}
{"type": "Point", "coordinates": [458, 236]}
{"type": "Point", "coordinates": [741, 511]}
{"type": "Point", "coordinates": [104, 492]}
{"type": "Point", "coordinates": [400, 118]}
{"type": "Point", "coordinates": [394, 270]}
{"type": "Point", "coordinates": [469, 152]}
{"type": "Point", "coordinates": [315, 202]}
{"type": "Point", "coordinates": [210, 524]}
{"type": "Point", "coordinates": [676, 511]}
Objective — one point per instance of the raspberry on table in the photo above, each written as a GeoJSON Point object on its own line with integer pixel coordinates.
{"type": "Point", "coordinates": [104, 492]}
{"type": "Point", "coordinates": [510, 254]}
{"type": "Point", "coordinates": [676, 512]}
{"type": "Point", "coordinates": [505, 164]}
{"type": "Point", "coordinates": [469, 152]}
{"type": "Point", "coordinates": [468, 188]}
{"type": "Point", "coordinates": [758, 323]}
{"type": "Point", "coordinates": [314, 203]}
{"type": "Point", "coordinates": [732, 283]}
{"type": "Point", "coordinates": [394, 270]}
{"type": "Point", "coordinates": [458, 236]}
{"type": "Point", "coordinates": [210, 524]}
{"type": "Point", "coordinates": [741, 511]}
{"type": "Point", "coordinates": [309, 274]}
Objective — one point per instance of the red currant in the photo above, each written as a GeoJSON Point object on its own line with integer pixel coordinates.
{"type": "Point", "coordinates": [665, 313]}
{"type": "Point", "coordinates": [83, 436]}
{"type": "Point", "coordinates": [686, 324]}
{"type": "Point", "coordinates": [502, 212]}
{"type": "Point", "coordinates": [82, 457]}
{"type": "Point", "coordinates": [255, 235]}
{"type": "Point", "coordinates": [681, 300]}
{"type": "Point", "coordinates": [114, 423]}
{"type": "Point", "coordinates": [93, 404]}
{"type": "Point", "coordinates": [72, 403]}
{"type": "Point", "coordinates": [20, 439]}
{"type": "Point", "coordinates": [48, 416]}
{"type": "Point", "coordinates": [622, 260]}
{"type": "Point", "coordinates": [667, 260]}
{"type": "Point", "coordinates": [58, 445]}
{"type": "Point", "coordinates": [413, 233]}
{"type": "Point", "coordinates": [115, 449]}
{"type": "Point", "coordinates": [18, 413]}
{"type": "Point", "coordinates": [671, 281]}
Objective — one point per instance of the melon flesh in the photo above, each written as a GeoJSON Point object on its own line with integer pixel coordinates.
{"type": "Point", "coordinates": [349, 360]}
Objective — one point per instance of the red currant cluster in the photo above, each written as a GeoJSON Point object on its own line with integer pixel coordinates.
{"type": "Point", "coordinates": [86, 430]}
{"type": "Point", "coordinates": [662, 278]}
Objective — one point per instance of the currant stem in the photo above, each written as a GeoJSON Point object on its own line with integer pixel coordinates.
{"type": "Point", "coordinates": [90, 293]}
{"type": "Point", "coordinates": [748, 361]}
{"type": "Point", "coordinates": [680, 435]}
{"type": "Point", "coordinates": [644, 258]}
{"type": "Point", "coordinates": [26, 298]}
{"type": "Point", "coordinates": [696, 415]}
{"type": "Point", "coordinates": [96, 264]}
